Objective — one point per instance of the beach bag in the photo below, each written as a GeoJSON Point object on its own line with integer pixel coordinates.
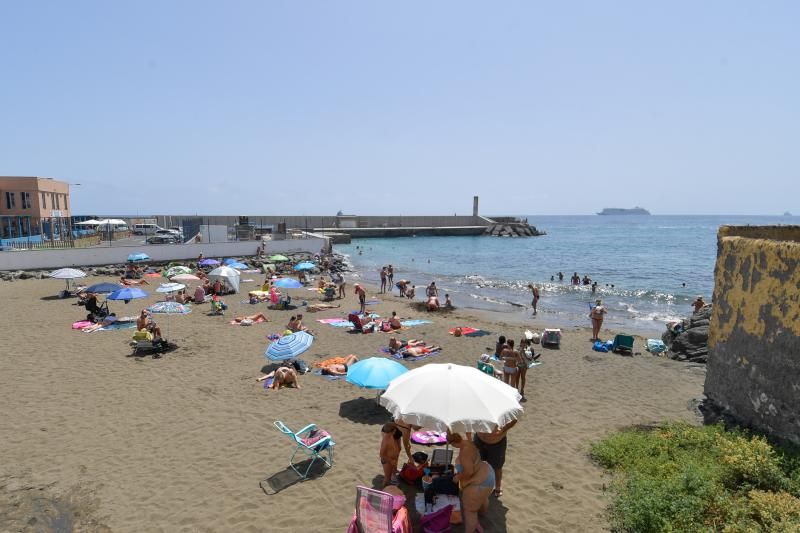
{"type": "Point", "coordinates": [656, 346]}
{"type": "Point", "coordinates": [314, 436]}
{"type": "Point", "coordinates": [599, 347]}
{"type": "Point", "coordinates": [412, 474]}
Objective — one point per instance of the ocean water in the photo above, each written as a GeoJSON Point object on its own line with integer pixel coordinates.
{"type": "Point", "coordinates": [648, 268]}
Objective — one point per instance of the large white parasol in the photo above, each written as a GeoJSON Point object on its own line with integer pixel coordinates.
{"type": "Point", "coordinates": [454, 398]}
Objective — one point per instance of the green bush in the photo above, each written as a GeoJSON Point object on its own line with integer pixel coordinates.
{"type": "Point", "coordinates": [678, 477]}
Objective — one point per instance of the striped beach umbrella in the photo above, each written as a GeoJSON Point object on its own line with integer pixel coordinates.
{"type": "Point", "coordinates": [289, 346]}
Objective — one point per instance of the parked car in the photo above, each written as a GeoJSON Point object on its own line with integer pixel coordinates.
{"type": "Point", "coordinates": [145, 229]}
{"type": "Point", "coordinates": [162, 239]}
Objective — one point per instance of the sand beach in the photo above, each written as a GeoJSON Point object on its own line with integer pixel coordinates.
{"type": "Point", "coordinates": [96, 440]}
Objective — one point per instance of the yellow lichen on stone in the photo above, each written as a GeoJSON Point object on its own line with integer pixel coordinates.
{"type": "Point", "coordinates": [754, 284]}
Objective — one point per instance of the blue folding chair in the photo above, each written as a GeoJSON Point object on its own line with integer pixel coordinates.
{"type": "Point", "coordinates": [314, 451]}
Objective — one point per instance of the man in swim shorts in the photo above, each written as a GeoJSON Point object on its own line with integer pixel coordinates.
{"type": "Point", "coordinates": [492, 447]}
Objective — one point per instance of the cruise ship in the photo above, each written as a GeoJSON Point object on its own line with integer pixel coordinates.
{"type": "Point", "coordinates": [619, 211]}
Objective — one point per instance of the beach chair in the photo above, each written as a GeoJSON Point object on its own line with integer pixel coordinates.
{"type": "Point", "coordinates": [623, 344]}
{"type": "Point", "coordinates": [328, 294]}
{"type": "Point", "coordinates": [216, 307]}
{"type": "Point", "coordinates": [313, 451]}
{"type": "Point", "coordinates": [488, 369]}
{"type": "Point", "coordinates": [437, 521]}
{"type": "Point", "coordinates": [379, 512]}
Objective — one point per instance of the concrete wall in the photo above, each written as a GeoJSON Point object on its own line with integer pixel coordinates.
{"type": "Point", "coordinates": [303, 222]}
{"type": "Point", "coordinates": [70, 257]}
{"type": "Point", "coordinates": [754, 342]}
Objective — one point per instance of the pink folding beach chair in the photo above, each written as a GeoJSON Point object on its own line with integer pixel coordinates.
{"type": "Point", "coordinates": [379, 512]}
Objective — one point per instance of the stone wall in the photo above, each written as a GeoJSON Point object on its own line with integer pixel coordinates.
{"type": "Point", "coordinates": [754, 340]}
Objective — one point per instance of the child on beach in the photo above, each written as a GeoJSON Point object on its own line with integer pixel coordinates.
{"type": "Point", "coordinates": [390, 451]}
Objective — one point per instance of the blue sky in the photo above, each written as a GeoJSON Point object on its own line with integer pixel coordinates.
{"type": "Point", "coordinates": [309, 107]}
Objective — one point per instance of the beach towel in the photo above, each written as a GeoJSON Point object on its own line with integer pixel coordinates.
{"type": "Point", "coordinates": [429, 437]}
{"type": "Point", "coordinates": [319, 373]}
{"type": "Point", "coordinates": [118, 325]}
{"type": "Point", "coordinates": [330, 361]}
{"type": "Point", "coordinates": [471, 332]}
{"type": "Point", "coordinates": [399, 355]}
{"type": "Point", "coordinates": [152, 275]}
{"type": "Point", "coordinates": [331, 320]}
{"type": "Point", "coordinates": [372, 302]}
{"type": "Point", "coordinates": [81, 324]}
{"type": "Point", "coordinates": [414, 322]}
{"type": "Point", "coordinates": [259, 321]}
{"type": "Point", "coordinates": [268, 382]}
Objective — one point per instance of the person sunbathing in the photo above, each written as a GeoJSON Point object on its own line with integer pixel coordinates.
{"type": "Point", "coordinates": [396, 345]}
{"type": "Point", "coordinates": [337, 369]}
{"type": "Point", "coordinates": [419, 351]}
{"type": "Point", "coordinates": [251, 319]}
{"type": "Point", "coordinates": [132, 282]}
{"type": "Point", "coordinates": [284, 376]}
{"type": "Point", "coordinates": [107, 321]}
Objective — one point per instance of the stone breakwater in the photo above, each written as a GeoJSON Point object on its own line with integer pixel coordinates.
{"type": "Point", "coordinates": [513, 230]}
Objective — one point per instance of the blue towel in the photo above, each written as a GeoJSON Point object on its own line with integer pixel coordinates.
{"type": "Point", "coordinates": [119, 325]}
{"type": "Point", "coordinates": [414, 322]}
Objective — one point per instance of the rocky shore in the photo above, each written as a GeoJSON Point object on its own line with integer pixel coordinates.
{"type": "Point", "coordinates": [688, 339]}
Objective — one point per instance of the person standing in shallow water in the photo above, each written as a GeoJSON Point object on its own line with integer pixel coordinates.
{"type": "Point", "coordinates": [535, 290]}
{"type": "Point", "coordinates": [383, 280]}
{"type": "Point", "coordinates": [597, 313]}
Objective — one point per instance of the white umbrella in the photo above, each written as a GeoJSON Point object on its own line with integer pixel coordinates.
{"type": "Point", "coordinates": [67, 274]}
{"type": "Point", "coordinates": [170, 287]}
{"type": "Point", "coordinates": [226, 274]}
{"type": "Point", "coordinates": [454, 398]}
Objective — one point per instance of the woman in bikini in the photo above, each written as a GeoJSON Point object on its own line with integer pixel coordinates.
{"type": "Point", "coordinates": [510, 359]}
{"type": "Point", "coordinates": [251, 319]}
{"type": "Point", "coordinates": [390, 451]}
{"type": "Point", "coordinates": [475, 478]}
{"type": "Point", "coordinates": [340, 369]}
{"type": "Point", "coordinates": [597, 319]}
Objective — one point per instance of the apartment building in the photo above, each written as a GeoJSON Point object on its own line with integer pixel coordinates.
{"type": "Point", "coordinates": [34, 208]}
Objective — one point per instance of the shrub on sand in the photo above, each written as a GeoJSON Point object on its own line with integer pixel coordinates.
{"type": "Point", "coordinates": [678, 477]}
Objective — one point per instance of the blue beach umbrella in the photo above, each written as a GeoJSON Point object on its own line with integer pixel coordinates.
{"type": "Point", "coordinates": [103, 288]}
{"type": "Point", "coordinates": [305, 266]}
{"type": "Point", "coordinates": [287, 283]}
{"type": "Point", "coordinates": [127, 293]}
{"type": "Point", "coordinates": [170, 308]}
{"type": "Point", "coordinates": [137, 257]}
{"type": "Point", "coordinates": [209, 262]}
{"type": "Point", "coordinates": [289, 346]}
{"type": "Point", "coordinates": [374, 373]}
{"type": "Point", "coordinates": [237, 265]}
{"type": "Point", "coordinates": [229, 260]}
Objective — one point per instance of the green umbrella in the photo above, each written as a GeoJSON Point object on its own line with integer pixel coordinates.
{"type": "Point", "coordinates": [278, 257]}
{"type": "Point", "coordinates": [267, 266]}
{"type": "Point", "coordinates": [179, 269]}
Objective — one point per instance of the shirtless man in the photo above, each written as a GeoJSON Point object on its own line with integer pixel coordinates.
{"type": "Point", "coordinates": [698, 304]}
{"type": "Point", "coordinates": [419, 351]}
{"type": "Point", "coordinates": [492, 447]}
{"type": "Point", "coordinates": [384, 278]}
{"type": "Point", "coordinates": [431, 290]}
{"type": "Point", "coordinates": [401, 286]}
{"type": "Point", "coordinates": [362, 298]}
{"type": "Point", "coordinates": [390, 274]}
{"type": "Point", "coordinates": [433, 303]}
{"type": "Point", "coordinates": [576, 279]}
{"type": "Point", "coordinates": [339, 281]}
{"type": "Point", "coordinates": [396, 345]}
{"type": "Point", "coordinates": [394, 322]}
{"type": "Point", "coordinates": [597, 313]}
{"type": "Point", "coordinates": [340, 369]}
{"type": "Point", "coordinates": [535, 291]}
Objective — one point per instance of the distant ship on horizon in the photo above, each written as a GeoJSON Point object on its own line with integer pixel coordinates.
{"type": "Point", "coordinates": [787, 214]}
{"type": "Point", "coordinates": [620, 211]}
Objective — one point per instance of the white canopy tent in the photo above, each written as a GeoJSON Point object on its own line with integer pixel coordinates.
{"type": "Point", "coordinates": [91, 222]}
{"type": "Point", "coordinates": [227, 275]}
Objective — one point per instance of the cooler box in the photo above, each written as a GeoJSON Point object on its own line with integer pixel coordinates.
{"type": "Point", "coordinates": [551, 337]}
